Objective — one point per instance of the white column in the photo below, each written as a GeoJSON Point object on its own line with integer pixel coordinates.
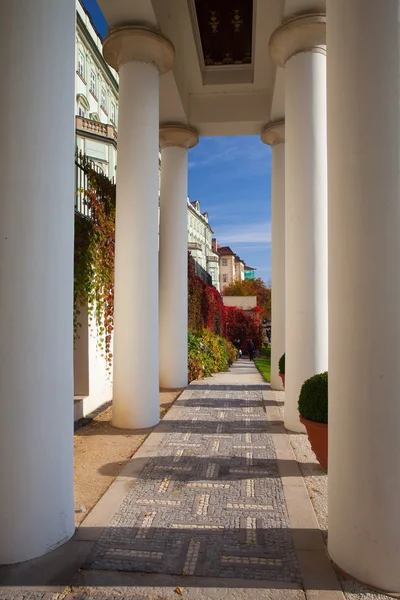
{"type": "Point", "coordinates": [299, 44]}
{"type": "Point", "coordinates": [364, 290]}
{"type": "Point", "coordinates": [274, 135]}
{"type": "Point", "coordinates": [36, 277]}
{"type": "Point", "coordinates": [140, 56]}
{"type": "Point", "coordinates": [174, 142]}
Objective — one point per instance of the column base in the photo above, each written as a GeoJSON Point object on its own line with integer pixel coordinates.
{"type": "Point", "coordinates": [25, 559]}
{"type": "Point", "coordinates": [133, 427]}
{"type": "Point", "coordinates": [276, 385]}
{"type": "Point", "coordinates": [124, 418]}
{"type": "Point", "coordinates": [293, 427]}
{"type": "Point", "coordinates": [363, 583]}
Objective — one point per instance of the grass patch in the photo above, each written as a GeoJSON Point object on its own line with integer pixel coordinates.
{"type": "Point", "coordinates": [263, 362]}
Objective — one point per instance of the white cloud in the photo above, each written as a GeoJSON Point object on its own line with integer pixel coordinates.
{"type": "Point", "coordinates": [249, 233]}
{"type": "Point", "coordinates": [250, 158]}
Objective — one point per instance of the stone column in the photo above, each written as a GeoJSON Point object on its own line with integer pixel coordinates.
{"type": "Point", "coordinates": [299, 44]}
{"type": "Point", "coordinates": [175, 140]}
{"type": "Point", "coordinates": [364, 290]}
{"type": "Point", "coordinates": [274, 135]}
{"type": "Point", "coordinates": [36, 277]}
{"type": "Point", "coordinates": [140, 55]}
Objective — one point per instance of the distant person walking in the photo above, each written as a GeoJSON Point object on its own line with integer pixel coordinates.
{"type": "Point", "coordinates": [252, 349]}
{"type": "Point", "coordinates": [237, 346]}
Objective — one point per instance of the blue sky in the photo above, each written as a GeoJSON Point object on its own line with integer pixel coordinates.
{"type": "Point", "coordinates": [231, 177]}
{"type": "Point", "coordinates": [97, 16]}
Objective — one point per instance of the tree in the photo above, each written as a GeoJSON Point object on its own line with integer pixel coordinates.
{"type": "Point", "coordinates": [252, 287]}
{"type": "Point", "coordinates": [244, 325]}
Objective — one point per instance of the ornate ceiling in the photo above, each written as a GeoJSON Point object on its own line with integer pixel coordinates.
{"type": "Point", "coordinates": [225, 31]}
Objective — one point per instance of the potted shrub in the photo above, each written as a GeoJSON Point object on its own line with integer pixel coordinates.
{"type": "Point", "coordinates": [313, 408]}
{"type": "Point", "coordinates": [282, 369]}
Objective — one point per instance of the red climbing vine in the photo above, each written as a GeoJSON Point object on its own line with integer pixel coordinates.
{"type": "Point", "coordinates": [94, 262]}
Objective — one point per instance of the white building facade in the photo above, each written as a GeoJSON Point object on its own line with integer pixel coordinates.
{"type": "Point", "coordinates": [97, 91]}
{"type": "Point", "coordinates": [96, 115]}
{"type": "Point", "coordinates": [96, 97]}
{"type": "Point", "coordinates": [200, 241]}
{"type": "Point", "coordinates": [231, 266]}
{"type": "Point", "coordinates": [313, 103]}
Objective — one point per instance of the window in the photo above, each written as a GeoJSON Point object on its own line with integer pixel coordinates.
{"type": "Point", "coordinates": [93, 83]}
{"type": "Point", "coordinates": [81, 64]}
{"type": "Point", "coordinates": [112, 113]}
{"type": "Point", "coordinates": [224, 262]}
{"type": "Point", "coordinates": [225, 278]}
{"type": "Point", "coordinates": [103, 102]}
{"type": "Point", "coordinates": [82, 105]}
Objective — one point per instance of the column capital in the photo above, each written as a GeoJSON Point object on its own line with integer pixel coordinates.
{"type": "Point", "coordinates": [140, 44]}
{"type": "Point", "coordinates": [305, 33]}
{"type": "Point", "coordinates": [175, 134]}
{"type": "Point", "coordinates": [273, 133]}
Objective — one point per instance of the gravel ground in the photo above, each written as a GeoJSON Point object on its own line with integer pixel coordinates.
{"type": "Point", "coordinates": [316, 481]}
{"type": "Point", "coordinates": [101, 451]}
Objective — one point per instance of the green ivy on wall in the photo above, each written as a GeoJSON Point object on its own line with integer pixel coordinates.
{"type": "Point", "coordinates": [94, 258]}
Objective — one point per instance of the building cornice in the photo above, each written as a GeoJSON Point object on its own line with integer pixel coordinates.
{"type": "Point", "coordinates": [83, 30]}
{"type": "Point", "coordinates": [199, 216]}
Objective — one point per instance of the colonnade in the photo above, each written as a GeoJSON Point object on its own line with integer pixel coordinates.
{"type": "Point", "coordinates": [36, 292]}
{"type": "Point", "coordinates": [355, 126]}
{"type": "Point", "coordinates": [343, 115]}
{"type": "Point", "coordinates": [175, 140]}
{"type": "Point", "coordinates": [143, 325]}
{"type": "Point", "coordinates": [36, 277]}
{"type": "Point", "coordinates": [298, 46]}
{"type": "Point", "coordinates": [274, 136]}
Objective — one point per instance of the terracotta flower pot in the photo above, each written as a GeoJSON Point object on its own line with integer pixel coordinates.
{"type": "Point", "coordinates": [318, 436]}
{"type": "Point", "coordinates": [282, 376]}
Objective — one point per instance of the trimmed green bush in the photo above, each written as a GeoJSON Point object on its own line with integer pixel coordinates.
{"type": "Point", "coordinates": [282, 364]}
{"type": "Point", "coordinates": [313, 399]}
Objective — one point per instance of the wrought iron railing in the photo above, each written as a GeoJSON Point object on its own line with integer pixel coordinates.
{"type": "Point", "coordinates": [200, 272]}
{"type": "Point", "coordinates": [85, 172]}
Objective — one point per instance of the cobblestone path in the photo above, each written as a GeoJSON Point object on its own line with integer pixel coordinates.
{"type": "Point", "coordinates": [211, 502]}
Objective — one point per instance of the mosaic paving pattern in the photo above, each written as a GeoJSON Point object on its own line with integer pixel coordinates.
{"type": "Point", "coordinates": [210, 503]}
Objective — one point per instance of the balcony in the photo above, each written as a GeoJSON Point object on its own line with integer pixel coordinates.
{"type": "Point", "coordinates": [95, 128]}
{"type": "Point", "coordinates": [194, 246]}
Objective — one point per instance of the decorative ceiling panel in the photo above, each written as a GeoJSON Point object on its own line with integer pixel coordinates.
{"type": "Point", "coordinates": [225, 31]}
